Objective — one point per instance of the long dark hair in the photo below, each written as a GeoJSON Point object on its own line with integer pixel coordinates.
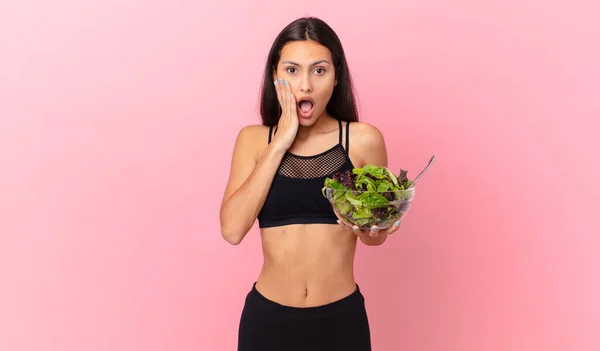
{"type": "Point", "coordinates": [342, 105]}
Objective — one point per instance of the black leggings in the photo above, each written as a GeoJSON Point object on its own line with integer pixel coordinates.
{"type": "Point", "coordinates": [266, 325]}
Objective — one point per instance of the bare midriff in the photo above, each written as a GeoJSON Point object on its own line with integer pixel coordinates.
{"type": "Point", "coordinates": [307, 265]}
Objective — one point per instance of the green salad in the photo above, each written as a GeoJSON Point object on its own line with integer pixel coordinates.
{"type": "Point", "coordinates": [368, 195]}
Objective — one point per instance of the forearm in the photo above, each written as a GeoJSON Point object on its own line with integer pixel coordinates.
{"type": "Point", "coordinates": [240, 210]}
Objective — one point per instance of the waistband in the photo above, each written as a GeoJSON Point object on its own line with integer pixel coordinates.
{"type": "Point", "coordinates": [354, 300]}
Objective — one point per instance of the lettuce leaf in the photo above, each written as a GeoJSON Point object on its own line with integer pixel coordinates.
{"type": "Point", "coordinates": [364, 194]}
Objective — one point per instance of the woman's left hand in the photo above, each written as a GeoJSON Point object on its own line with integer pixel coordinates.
{"type": "Point", "coordinates": [374, 236]}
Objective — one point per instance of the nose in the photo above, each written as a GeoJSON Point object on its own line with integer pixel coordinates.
{"type": "Point", "coordinates": [305, 85]}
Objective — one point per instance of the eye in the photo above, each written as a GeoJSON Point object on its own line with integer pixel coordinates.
{"type": "Point", "coordinates": [320, 70]}
{"type": "Point", "coordinates": [290, 69]}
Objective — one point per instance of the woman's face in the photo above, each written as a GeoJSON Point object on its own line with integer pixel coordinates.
{"type": "Point", "coordinates": [308, 67]}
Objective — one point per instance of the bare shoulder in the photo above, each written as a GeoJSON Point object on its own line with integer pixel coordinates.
{"type": "Point", "coordinates": [253, 138]}
{"type": "Point", "coordinates": [365, 133]}
{"type": "Point", "coordinates": [250, 142]}
{"type": "Point", "coordinates": [254, 131]}
{"type": "Point", "coordinates": [367, 145]}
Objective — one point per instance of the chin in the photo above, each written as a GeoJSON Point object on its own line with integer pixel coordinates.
{"type": "Point", "coordinates": [308, 121]}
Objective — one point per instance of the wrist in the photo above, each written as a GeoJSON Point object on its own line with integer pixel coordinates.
{"type": "Point", "coordinates": [277, 148]}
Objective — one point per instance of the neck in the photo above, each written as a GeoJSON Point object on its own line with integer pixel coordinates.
{"type": "Point", "coordinates": [321, 126]}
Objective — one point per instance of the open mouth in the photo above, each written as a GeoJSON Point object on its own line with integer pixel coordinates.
{"type": "Point", "coordinates": [306, 106]}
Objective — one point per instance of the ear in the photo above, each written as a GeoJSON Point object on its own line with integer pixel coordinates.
{"type": "Point", "coordinates": [274, 69]}
{"type": "Point", "coordinates": [335, 84]}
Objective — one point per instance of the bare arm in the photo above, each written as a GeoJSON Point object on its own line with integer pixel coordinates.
{"type": "Point", "coordinates": [249, 182]}
{"type": "Point", "coordinates": [370, 148]}
{"type": "Point", "coordinates": [367, 144]}
{"type": "Point", "coordinates": [251, 174]}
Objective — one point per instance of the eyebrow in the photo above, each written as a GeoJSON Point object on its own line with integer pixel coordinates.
{"type": "Point", "coordinates": [314, 63]}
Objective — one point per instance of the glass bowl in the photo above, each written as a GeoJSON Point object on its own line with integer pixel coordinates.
{"type": "Point", "coordinates": [365, 208]}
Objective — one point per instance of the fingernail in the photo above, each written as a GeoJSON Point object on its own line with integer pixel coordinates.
{"type": "Point", "coordinates": [374, 228]}
{"type": "Point", "coordinates": [284, 83]}
{"type": "Point", "coordinates": [279, 80]}
{"type": "Point", "coordinates": [397, 223]}
{"type": "Point", "coordinates": [275, 82]}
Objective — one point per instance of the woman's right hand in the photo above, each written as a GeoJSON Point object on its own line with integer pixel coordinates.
{"type": "Point", "coordinates": [288, 122]}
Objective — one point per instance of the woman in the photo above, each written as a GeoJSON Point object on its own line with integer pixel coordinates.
{"type": "Point", "coordinates": [305, 297]}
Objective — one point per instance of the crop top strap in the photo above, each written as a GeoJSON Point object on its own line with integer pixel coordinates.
{"type": "Point", "coordinates": [347, 135]}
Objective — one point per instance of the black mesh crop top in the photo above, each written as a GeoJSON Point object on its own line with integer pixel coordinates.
{"type": "Point", "coordinates": [295, 196]}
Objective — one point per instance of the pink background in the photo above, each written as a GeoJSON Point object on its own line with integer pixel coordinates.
{"type": "Point", "coordinates": [117, 124]}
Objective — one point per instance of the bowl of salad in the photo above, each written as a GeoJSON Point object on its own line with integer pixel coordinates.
{"type": "Point", "coordinates": [369, 196]}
